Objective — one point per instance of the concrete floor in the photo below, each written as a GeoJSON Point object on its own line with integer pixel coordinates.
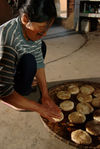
{"type": "Point", "coordinates": [70, 57]}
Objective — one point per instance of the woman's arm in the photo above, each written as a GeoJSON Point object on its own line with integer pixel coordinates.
{"type": "Point", "coordinates": [46, 100]}
{"type": "Point", "coordinates": [41, 79]}
{"type": "Point", "coordinates": [21, 103]}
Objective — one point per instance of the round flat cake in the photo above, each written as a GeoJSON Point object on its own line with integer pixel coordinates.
{"type": "Point", "coordinates": [59, 120]}
{"type": "Point", "coordinates": [98, 146]}
{"type": "Point", "coordinates": [97, 93]}
{"type": "Point", "coordinates": [81, 137]}
{"type": "Point", "coordinates": [96, 115]}
{"type": "Point", "coordinates": [84, 108]}
{"type": "Point", "coordinates": [87, 89]}
{"type": "Point", "coordinates": [63, 95]}
{"type": "Point", "coordinates": [93, 127]}
{"type": "Point", "coordinates": [96, 102]}
{"type": "Point", "coordinates": [84, 98]}
{"type": "Point", "coordinates": [67, 105]}
{"type": "Point", "coordinates": [76, 117]}
{"type": "Point", "coordinates": [73, 89]}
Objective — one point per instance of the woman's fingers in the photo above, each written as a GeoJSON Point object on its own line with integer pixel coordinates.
{"type": "Point", "coordinates": [55, 109]}
{"type": "Point", "coordinates": [50, 103]}
{"type": "Point", "coordinates": [48, 114]}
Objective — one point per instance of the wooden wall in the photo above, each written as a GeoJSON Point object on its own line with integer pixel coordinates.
{"type": "Point", "coordinates": [5, 12]}
{"type": "Point", "coordinates": [71, 4]}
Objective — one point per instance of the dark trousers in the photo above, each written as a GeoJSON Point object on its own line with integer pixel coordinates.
{"type": "Point", "coordinates": [25, 72]}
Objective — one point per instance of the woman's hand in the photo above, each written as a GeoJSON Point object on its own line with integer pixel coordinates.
{"type": "Point", "coordinates": [47, 113]}
{"type": "Point", "coordinates": [48, 102]}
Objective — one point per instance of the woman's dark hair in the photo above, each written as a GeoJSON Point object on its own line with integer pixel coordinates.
{"type": "Point", "coordinates": [39, 10]}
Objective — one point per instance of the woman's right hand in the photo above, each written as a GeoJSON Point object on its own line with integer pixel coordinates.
{"type": "Point", "coordinates": [47, 113]}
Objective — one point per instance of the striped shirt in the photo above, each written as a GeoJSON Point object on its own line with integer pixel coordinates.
{"type": "Point", "coordinates": [12, 46]}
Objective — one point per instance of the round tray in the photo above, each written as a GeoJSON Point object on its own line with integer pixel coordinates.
{"type": "Point", "coordinates": [63, 129]}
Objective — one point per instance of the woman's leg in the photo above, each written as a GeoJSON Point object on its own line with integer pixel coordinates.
{"type": "Point", "coordinates": [25, 73]}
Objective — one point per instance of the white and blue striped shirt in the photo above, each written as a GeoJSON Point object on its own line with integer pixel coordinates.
{"type": "Point", "coordinates": [12, 46]}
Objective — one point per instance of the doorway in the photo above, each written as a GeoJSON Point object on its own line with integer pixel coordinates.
{"type": "Point", "coordinates": [61, 6]}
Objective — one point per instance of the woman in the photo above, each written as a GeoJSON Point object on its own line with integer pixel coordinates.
{"type": "Point", "coordinates": [22, 54]}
